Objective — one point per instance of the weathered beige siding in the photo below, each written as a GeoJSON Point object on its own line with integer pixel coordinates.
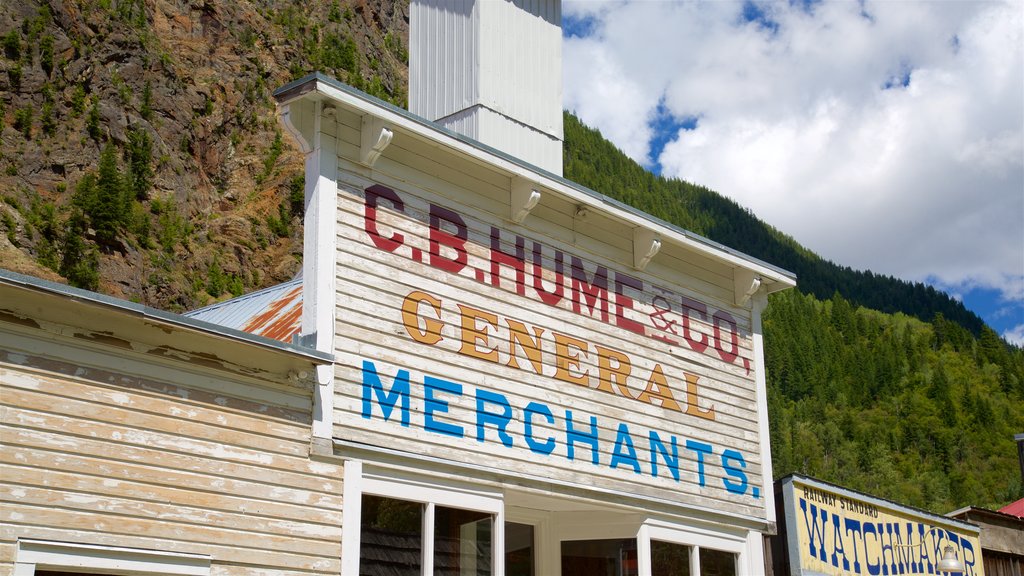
{"type": "Point", "coordinates": [373, 283]}
{"type": "Point", "coordinates": [121, 446]}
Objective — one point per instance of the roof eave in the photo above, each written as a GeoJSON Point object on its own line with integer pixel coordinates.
{"type": "Point", "coordinates": [320, 86]}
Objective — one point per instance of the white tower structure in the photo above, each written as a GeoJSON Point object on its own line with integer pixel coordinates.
{"type": "Point", "coordinates": [491, 70]}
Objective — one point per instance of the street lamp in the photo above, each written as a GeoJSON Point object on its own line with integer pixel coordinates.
{"type": "Point", "coordinates": [948, 563]}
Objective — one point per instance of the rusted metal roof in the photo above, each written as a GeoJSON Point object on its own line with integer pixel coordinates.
{"type": "Point", "coordinates": [274, 312]}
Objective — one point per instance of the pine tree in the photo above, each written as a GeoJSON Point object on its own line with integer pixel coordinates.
{"type": "Point", "coordinates": [112, 205]}
{"type": "Point", "coordinates": [79, 261]}
{"type": "Point", "coordinates": [139, 156]}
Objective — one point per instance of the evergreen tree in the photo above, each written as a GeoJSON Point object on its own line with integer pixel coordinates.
{"type": "Point", "coordinates": [139, 156]}
{"type": "Point", "coordinates": [79, 261]}
{"type": "Point", "coordinates": [111, 205]}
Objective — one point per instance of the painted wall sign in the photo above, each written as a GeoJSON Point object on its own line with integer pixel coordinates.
{"type": "Point", "coordinates": [832, 531]}
{"type": "Point", "coordinates": [515, 352]}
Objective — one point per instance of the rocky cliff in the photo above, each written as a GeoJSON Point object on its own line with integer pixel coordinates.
{"type": "Point", "coordinates": [141, 152]}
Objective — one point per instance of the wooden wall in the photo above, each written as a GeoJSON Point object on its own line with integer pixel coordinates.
{"type": "Point", "coordinates": [376, 275]}
{"type": "Point", "coordinates": [108, 446]}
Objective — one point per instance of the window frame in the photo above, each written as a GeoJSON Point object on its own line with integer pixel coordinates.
{"type": "Point", "coordinates": [431, 494]}
{"type": "Point", "coordinates": [33, 555]}
{"type": "Point", "coordinates": [696, 539]}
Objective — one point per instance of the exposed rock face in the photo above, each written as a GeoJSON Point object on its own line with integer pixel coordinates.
{"type": "Point", "coordinates": [210, 190]}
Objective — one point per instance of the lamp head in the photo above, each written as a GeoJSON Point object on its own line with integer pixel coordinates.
{"type": "Point", "coordinates": [949, 562]}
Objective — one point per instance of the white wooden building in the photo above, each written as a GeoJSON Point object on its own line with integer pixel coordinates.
{"type": "Point", "coordinates": [527, 372]}
{"type": "Point", "coordinates": [133, 441]}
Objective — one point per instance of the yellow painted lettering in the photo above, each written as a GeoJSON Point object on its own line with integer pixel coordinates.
{"type": "Point", "coordinates": [531, 346]}
{"type": "Point", "coordinates": [613, 367]}
{"type": "Point", "coordinates": [567, 360]}
{"type": "Point", "coordinates": [693, 399]}
{"type": "Point", "coordinates": [431, 331]}
{"type": "Point", "coordinates": [473, 335]}
{"type": "Point", "coordinates": [658, 388]}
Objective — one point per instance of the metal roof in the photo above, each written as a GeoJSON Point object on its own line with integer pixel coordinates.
{"type": "Point", "coordinates": [188, 321]}
{"type": "Point", "coordinates": [274, 312]}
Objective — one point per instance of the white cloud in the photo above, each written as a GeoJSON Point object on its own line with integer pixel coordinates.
{"type": "Point", "coordinates": [1015, 335]}
{"type": "Point", "coordinates": [918, 181]}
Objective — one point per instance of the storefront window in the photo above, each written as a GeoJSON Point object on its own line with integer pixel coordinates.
{"type": "Point", "coordinates": [519, 550]}
{"type": "Point", "coordinates": [462, 542]}
{"type": "Point", "coordinates": [391, 539]}
{"type": "Point", "coordinates": [669, 559]}
{"type": "Point", "coordinates": [717, 563]}
{"type": "Point", "coordinates": [599, 558]}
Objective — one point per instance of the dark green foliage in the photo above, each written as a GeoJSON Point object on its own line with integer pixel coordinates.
{"type": "Point", "coordinates": [869, 401]}
{"type": "Point", "coordinates": [207, 108]}
{"type": "Point", "coordinates": [77, 100]}
{"type": "Point", "coordinates": [46, 54]}
{"type": "Point", "coordinates": [216, 280]}
{"type": "Point", "coordinates": [276, 147]}
{"type": "Point", "coordinates": [12, 45]}
{"type": "Point", "coordinates": [297, 195]}
{"type": "Point", "coordinates": [280, 225]}
{"type": "Point", "coordinates": [23, 120]}
{"type": "Point", "coordinates": [46, 120]}
{"type": "Point", "coordinates": [10, 226]}
{"type": "Point", "coordinates": [339, 53]}
{"type": "Point", "coordinates": [92, 121]}
{"type": "Point", "coordinates": [14, 76]}
{"type": "Point", "coordinates": [113, 200]}
{"type": "Point", "coordinates": [104, 199]}
{"type": "Point", "coordinates": [393, 44]}
{"type": "Point", "coordinates": [43, 217]}
{"type": "Point", "coordinates": [146, 108]}
{"type": "Point", "coordinates": [80, 262]}
{"type": "Point", "coordinates": [139, 157]}
{"type": "Point", "coordinates": [172, 229]}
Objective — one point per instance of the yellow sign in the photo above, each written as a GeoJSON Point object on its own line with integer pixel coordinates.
{"type": "Point", "coordinates": [832, 531]}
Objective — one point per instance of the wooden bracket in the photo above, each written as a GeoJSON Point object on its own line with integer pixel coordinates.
{"type": "Point", "coordinates": [299, 120]}
{"type": "Point", "coordinates": [745, 285]}
{"type": "Point", "coordinates": [374, 138]}
{"type": "Point", "coordinates": [646, 244]}
{"type": "Point", "coordinates": [524, 197]}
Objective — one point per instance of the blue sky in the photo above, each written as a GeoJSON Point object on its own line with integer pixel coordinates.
{"type": "Point", "coordinates": [886, 136]}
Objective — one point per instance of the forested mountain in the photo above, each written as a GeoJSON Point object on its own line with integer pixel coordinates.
{"type": "Point", "coordinates": [141, 157]}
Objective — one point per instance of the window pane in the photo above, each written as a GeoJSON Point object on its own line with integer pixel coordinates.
{"type": "Point", "coordinates": [519, 549]}
{"type": "Point", "coordinates": [668, 559]}
{"type": "Point", "coordinates": [717, 563]}
{"type": "Point", "coordinates": [462, 542]}
{"type": "Point", "coordinates": [391, 538]}
{"type": "Point", "coordinates": [599, 558]}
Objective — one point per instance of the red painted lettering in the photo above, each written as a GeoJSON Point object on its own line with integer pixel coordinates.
{"type": "Point", "coordinates": [373, 194]}
{"type": "Point", "coordinates": [549, 298]}
{"type": "Point", "coordinates": [517, 261]}
{"type": "Point", "coordinates": [699, 342]}
{"type": "Point", "coordinates": [592, 294]}
{"type": "Point", "coordinates": [440, 237]}
{"type": "Point", "coordinates": [623, 302]}
{"type": "Point", "coordinates": [722, 317]}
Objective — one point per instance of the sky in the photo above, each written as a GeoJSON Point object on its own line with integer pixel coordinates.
{"type": "Point", "coordinates": [884, 136]}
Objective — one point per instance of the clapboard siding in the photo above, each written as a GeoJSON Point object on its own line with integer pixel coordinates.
{"type": "Point", "coordinates": [594, 240]}
{"type": "Point", "coordinates": [372, 283]}
{"type": "Point", "coordinates": [100, 455]}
